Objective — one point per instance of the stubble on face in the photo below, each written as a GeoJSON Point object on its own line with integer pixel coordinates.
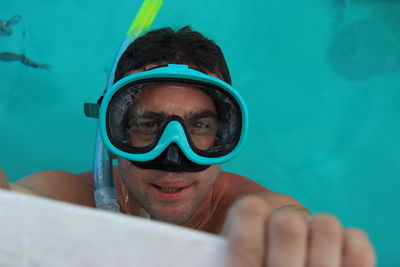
{"type": "Point", "coordinates": [139, 184]}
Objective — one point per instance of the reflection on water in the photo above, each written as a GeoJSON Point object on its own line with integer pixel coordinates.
{"type": "Point", "coordinates": [366, 39]}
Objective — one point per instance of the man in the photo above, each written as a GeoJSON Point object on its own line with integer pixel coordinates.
{"type": "Point", "coordinates": [171, 119]}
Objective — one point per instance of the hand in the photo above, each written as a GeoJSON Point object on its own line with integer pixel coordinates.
{"type": "Point", "coordinates": [3, 180]}
{"type": "Point", "coordinates": [259, 237]}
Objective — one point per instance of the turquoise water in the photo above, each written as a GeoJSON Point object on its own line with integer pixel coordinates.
{"type": "Point", "coordinates": [321, 79]}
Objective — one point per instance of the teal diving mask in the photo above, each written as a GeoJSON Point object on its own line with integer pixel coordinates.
{"type": "Point", "coordinates": [173, 118]}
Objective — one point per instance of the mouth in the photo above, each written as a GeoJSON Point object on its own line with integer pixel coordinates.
{"type": "Point", "coordinates": [168, 189]}
{"type": "Point", "coordinates": [170, 192]}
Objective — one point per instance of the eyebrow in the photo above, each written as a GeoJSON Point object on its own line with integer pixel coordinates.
{"type": "Point", "coordinates": [148, 115]}
{"type": "Point", "coordinates": [202, 114]}
{"type": "Point", "coordinates": [162, 115]}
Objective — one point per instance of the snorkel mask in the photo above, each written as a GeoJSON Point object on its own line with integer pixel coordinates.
{"type": "Point", "coordinates": [153, 139]}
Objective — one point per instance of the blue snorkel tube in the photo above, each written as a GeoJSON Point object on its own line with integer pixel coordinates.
{"type": "Point", "coordinates": [104, 191]}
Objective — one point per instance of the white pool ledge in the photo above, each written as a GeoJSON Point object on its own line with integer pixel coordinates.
{"type": "Point", "coordinates": [39, 232]}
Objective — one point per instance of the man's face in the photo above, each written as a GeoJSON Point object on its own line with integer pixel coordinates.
{"type": "Point", "coordinates": [171, 196]}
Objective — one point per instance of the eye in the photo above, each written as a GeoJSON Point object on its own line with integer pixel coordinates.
{"type": "Point", "coordinates": [145, 127]}
{"type": "Point", "coordinates": [202, 127]}
{"type": "Point", "coordinates": [200, 124]}
{"type": "Point", "coordinates": [146, 124]}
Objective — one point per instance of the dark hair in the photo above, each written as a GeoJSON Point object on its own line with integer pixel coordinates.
{"type": "Point", "coordinates": [165, 45]}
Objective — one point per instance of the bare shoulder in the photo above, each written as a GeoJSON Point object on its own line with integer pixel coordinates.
{"type": "Point", "coordinates": [276, 201]}
{"type": "Point", "coordinates": [58, 185]}
{"type": "Point", "coordinates": [279, 202]}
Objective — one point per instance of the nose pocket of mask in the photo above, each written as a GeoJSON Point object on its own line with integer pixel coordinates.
{"type": "Point", "coordinates": [172, 159]}
{"type": "Point", "coordinates": [172, 155]}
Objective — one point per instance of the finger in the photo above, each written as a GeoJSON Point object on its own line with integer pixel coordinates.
{"type": "Point", "coordinates": [245, 228]}
{"type": "Point", "coordinates": [287, 240]}
{"type": "Point", "coordinates": [4, 184]}
{"type": "Point", "coordinates": [326, 241]}
{"type": "Point", "coordinates": [358, 251]}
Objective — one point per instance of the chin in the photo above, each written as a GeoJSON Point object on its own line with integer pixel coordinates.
{"type": "Point", "coordinates": [176, 221]}
{"type": "Point", "coordinates": [172, 216]}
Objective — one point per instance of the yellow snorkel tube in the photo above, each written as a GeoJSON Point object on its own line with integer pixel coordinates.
{"type": "Point", "coordinates": [104, 192]}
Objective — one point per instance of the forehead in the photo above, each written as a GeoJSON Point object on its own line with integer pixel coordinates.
{"type": "Point", "coordinates": [173, 96]}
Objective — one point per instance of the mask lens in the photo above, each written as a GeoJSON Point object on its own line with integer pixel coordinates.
{"type": "Point", "coordinates": [141, 129]}
{"type": "Point", "coordinates": [137, 116]}
{"type": "Point", "coordinates": [203, 128]}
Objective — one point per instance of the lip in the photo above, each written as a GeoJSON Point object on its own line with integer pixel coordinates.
{"type": "Point", "coordinates": [170, 196]}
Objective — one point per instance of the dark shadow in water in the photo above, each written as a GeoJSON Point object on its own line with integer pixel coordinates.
{"type": "Point", "coordinates": [9, 56]}
{"type": "Point", "coordinates": [5, 29]}
{"type": "Point", "coordinates": [363, 50]}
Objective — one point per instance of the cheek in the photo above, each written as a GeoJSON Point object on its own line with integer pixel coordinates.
{"type": "Point", "coordinates": [214, 170]}
{"type": "Point", "coordinates": [124, 166]}
{"type": "Point", "coordinates": [127, 171]}
{"type": "Point", "coordinates": [210, 175]}
{"type": "Point", "coordinates": [204, 142]}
